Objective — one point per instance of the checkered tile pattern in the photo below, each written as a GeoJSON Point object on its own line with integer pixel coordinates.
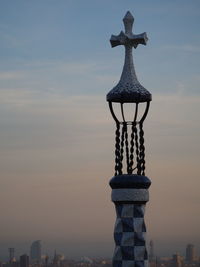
{"type": "Point", "coordinates": [129, 235]}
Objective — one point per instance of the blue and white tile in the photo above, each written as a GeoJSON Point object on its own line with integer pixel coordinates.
{"type": "Point", "coordinates": [127, 210]}
{"type": "Point", "coordinates": [127, 239]}
{"type": "Point", "coordinates": [139, 253]}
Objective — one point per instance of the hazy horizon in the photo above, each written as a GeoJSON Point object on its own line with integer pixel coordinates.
{"type": "Point", "coordinates": [57, 134]}
{"type": "Point", "coordinates": [61, 248]}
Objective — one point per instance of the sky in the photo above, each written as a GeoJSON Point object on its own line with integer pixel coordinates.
{"type": "Point", "coordinates": [57, 135]}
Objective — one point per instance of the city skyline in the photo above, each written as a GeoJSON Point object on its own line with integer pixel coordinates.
{"type": "Point", "coordinates": [37, 254]}
{"type": "Point", "coordinates": [57, 138]}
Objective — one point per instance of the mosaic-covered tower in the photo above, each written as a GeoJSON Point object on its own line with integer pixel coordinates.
{"type": "Point", "coordinates": [129, 184]}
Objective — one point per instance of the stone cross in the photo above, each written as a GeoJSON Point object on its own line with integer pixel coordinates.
{"type": "Point", "coordinates": [128, 39]}
{"type": "Point", "coordinates": [128, 88]}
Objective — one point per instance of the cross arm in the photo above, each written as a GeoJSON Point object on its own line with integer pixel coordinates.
{"type": "Point", "coordinates": [129, 39]}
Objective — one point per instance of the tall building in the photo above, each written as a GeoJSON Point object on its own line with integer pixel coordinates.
{"type": "Point", "coordinates": [35, 253]}
{"type": "Point", "coordinates": [24, 261]}
{"type": "Point", "coordinates": [152, 258]}
{"type": "Point", "coordinates": [151, 251]}
{"type": "Point", "coordinates": [46, 260]}
{"type": "Point", "coordinates": [11, 254]}
{"type": "Point", "coordinates": [190, 253]}
{"type": "Point", "coordinates": [177, 261]}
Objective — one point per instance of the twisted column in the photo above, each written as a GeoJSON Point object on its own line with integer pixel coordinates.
{"type": "Point", "coordinates": [130, 194]}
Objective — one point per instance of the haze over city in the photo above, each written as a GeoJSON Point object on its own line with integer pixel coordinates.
{"type": "Point", "coordinates": [57, 135]}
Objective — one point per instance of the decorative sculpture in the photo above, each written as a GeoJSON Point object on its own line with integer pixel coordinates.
{"type": "Point", "coordinates": [129, 189]}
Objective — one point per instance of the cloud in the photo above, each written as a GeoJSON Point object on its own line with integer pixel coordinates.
{"type": "Point", "coordinates": [11, 75]}
{"type": "Point", "coordinates": [71, 77]}
{"type": "Point", "coordinates": [190, 48]}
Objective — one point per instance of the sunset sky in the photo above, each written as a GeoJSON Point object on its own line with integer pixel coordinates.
{"type": "Point", "coordinates": [57, 135]}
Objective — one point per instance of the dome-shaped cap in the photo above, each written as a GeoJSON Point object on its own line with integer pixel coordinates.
{"type": "Point", "coordinates": [129, 93]}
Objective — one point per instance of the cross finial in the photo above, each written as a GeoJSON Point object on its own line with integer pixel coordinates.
{"type": "Point", "coordinates": [128, 38]}
{"type": "Point", "coordinates": [128, 88]}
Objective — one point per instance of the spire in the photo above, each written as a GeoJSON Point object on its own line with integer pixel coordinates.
{"type": "Point", "coordinates": [128, 88]}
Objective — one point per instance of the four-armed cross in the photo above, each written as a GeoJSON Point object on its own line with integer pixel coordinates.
{"type": "Point", "coordinates": [128, 38]}
{"type": "Point", "coordinates": [128, 88]}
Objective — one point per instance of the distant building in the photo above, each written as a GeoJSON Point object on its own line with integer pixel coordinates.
{"type": "Point", "coordinates": [58, 259]}
{"type": "Point", "coordinates": [151, 251]}
{"type": "Point", "coordinates": [46, 260]}
{"type": "Point", "coordinates": [177, 261]}
{"type": "Point", "coordinates": [190, 253]}
{"type": "Point", "coordinates": [11, 255]}
{"type": "Point", "coordinates": [24, 261]}
{"type": "Point", "coordinates": [152, 258]}
{"type": "Point", "coordinates": [35, 253]}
